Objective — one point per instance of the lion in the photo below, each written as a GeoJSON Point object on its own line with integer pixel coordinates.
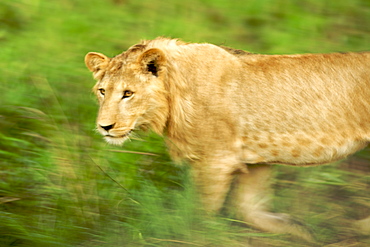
{"type": "Point", "coordinates": [232, 114]}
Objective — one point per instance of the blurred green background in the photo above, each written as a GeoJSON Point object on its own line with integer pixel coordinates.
{"type": "Point", "coordinates": [61, 185]}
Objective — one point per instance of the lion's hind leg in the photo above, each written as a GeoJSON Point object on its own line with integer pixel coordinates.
{"type": "Point", "coordinates": [251, 196]}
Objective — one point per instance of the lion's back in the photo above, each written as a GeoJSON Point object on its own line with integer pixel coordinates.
{"type": "Point", "coordinates": [306, 109]}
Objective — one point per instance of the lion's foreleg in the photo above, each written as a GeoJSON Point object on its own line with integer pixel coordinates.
{"type": "Point", "coordinates": [362, 226]}
{"type": "Point", "coordinates": [251, 195]}
{"type": "Point", "coordinates": [213, 182]}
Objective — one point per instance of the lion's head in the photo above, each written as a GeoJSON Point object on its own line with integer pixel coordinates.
{"type": "Point", "coordinates": [130, 91]}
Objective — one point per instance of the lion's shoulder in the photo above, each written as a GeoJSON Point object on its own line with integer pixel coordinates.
{"type": "Point", "coordinates": [236, 52]}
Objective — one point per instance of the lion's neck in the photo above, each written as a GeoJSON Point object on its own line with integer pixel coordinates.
{"type": "Point", "coordinates": [179, 127]}
{"type": "Point", "coordinates": [180, 122]}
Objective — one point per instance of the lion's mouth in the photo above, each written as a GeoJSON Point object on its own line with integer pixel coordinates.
{"type": "Point", "coordinates": [119, 136]}
{"type": "Point", "coordinates": [117, 139]}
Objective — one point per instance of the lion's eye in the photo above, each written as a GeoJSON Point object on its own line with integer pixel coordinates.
{"type": "Point", "coordinates": [102, 91]}
{"type": "Point", "coordinates": [127, 94]}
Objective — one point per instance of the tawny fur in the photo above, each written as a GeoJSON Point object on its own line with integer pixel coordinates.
{"type": "Point", "coordinates": [227, 111]}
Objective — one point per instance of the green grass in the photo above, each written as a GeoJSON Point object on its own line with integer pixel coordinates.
{"type": "Point", "coordinates": [61, 185]}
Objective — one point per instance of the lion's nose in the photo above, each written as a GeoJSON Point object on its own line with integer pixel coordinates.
{"type": "Point", "coordinates": [107, 127]}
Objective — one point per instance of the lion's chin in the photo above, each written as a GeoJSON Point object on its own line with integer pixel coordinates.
{"type": "Point", "coordinates": [115, 140]}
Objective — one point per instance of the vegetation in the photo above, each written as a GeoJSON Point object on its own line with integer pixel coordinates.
{"type": "Point", "coordinates": [61, 185]}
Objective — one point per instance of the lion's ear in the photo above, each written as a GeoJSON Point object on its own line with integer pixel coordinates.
{"type": "Point", "coordinates": [152, 61]}
{"type": "Point", "coordinates": [96, 62]}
